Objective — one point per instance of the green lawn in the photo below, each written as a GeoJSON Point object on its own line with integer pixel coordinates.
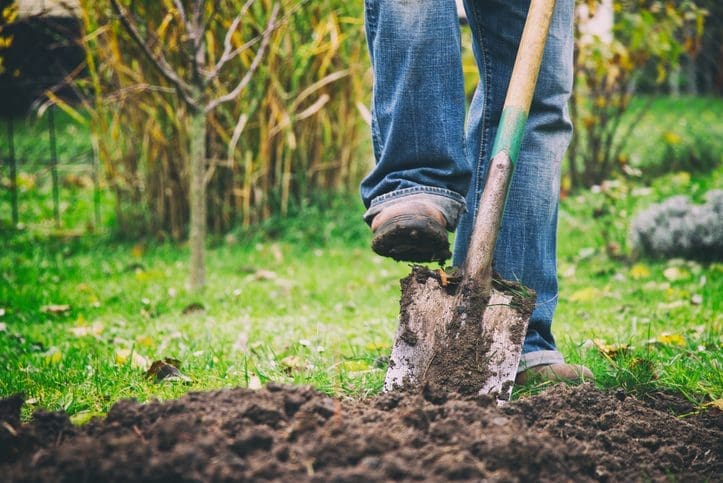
{"type": "Point", "coordinates": [304, 300]}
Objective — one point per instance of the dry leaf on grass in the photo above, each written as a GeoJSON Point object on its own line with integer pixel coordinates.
{"type": "Point", "coordinates": [94, 330]}
{"type": "Point", "coordinates": [167, 371]}
{"type": "Point", "coordinates": [55, 308]}
{"type": "Point", "coordinates": [639, 270]}
{"type": "Point", "coordinates": [355, 366]}
{"type": "Point", "coordinates": [254, 382]}
{"type": "Point", "coordinates": [264, 275]}
{"type": "Point", "coordinates": [137, 361]}
{"type": "Point", "coordinates": [611, 350]}
{"type": "Point", "coordinates": [587, 294]}
{"type": "Point", "coordinates": [193, 308]}
{"type": "Point", "coordinates": [293, 364]}
{"type": "Point", "coordinates": [676, 273]}
{"type": "Point", "coordinates": [667, 338]}
{"type": "Point", "coordinates": [717, 404]}
{"type": "Point", "coordinates": [53, 356]}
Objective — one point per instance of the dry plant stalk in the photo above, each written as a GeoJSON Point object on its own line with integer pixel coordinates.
{"type": "Point", "coordinates": [274, 86]}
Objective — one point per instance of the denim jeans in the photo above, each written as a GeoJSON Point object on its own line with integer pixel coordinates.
{"type": "Point", "coordinates": [424, 147]}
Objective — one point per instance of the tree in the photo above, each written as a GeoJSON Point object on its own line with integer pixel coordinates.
{"type": "Point", "coordinates": [192, 78]}
{"type": "Point", "coordinates": [644, 33]}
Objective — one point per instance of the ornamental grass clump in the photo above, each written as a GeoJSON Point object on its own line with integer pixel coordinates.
{"type": "Point", "coordinates": [679, 228]}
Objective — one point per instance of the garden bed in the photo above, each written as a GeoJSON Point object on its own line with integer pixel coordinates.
{"type": "Point", "coordinates": [292, 433]}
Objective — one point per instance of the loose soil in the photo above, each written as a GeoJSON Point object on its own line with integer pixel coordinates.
{"type": "Point", "coordinates": [287, 433]}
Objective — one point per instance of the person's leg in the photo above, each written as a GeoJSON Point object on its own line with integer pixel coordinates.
{"type": "Point", "coordinates": [526, 246]}
{"type": "Point", "coordinates": [417, 111]}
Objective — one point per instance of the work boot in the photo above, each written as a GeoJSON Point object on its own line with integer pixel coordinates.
{"type": "Point", "coordinates": [567, 373]}
{"type": "Point", "coordinates": [411, 231]}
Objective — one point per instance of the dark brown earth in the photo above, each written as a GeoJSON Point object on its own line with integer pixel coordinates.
{"type": "Point", "coordinates": [289, 433]}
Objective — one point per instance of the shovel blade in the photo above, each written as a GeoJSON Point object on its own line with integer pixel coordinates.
{"type": "Point", "coordinates": [432, 326]}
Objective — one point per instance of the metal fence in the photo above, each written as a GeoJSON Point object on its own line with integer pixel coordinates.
{"type": "Point", "coordinates": [59, 187]}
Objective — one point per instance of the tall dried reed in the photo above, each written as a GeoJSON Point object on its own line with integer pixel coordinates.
{"type": "Point", "coordinates": [295, 131]}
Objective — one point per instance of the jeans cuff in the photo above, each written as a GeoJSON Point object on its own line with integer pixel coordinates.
{"type": "Point", "coordinates": [539, 358]}
{"type": "Point", "coordinates": [449, 203]}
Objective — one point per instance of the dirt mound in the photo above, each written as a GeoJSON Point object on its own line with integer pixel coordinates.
{"type": "Point", "coordinates": [295, 433]}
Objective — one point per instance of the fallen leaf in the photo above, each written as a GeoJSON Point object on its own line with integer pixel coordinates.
{"type": "Point", "coordinates": [193, 307]}
{"type": "Point", "coordinates": [83, 417]}
{"type": "Point", "coordinates": [144, 340]}
{"type": "Point", "coordinates": [443, 281]}
{"type": "Point", "coordinates": [137, 361]}
{"type": "Point", "coordinates": [53, 356]}
{"type": "Point", "coordinates": [55, 309]}
{"type": "Point", "coordinates": [277, 253]}
{"type": "Point", "coordinates": [264, 275]}
{"type": "Point", "coordinates": [242, 343]}
{"type": "Point", "coordinates": [676, 273]}
{"type": "Point", "coordinates": [167, 371]}
{"type": "Point", "coordinates": [671, 339]}
{"type": "Point", "coordinates": [355, 366]}
{"type": "Point", "coordinates": [611, 350]}
{"type": "Point", "coordinates": [137, 251]}
{"type": "Point", "coordinates": [377, 346]}
{"type": "Point", "coordinates": [254, 382]}
{"type": "Point", "coordinates": [717, 404]}
{"type": "Point", "coordinates": [85, 330]}
{"type": "Point", "coordinates": [639, 270]}
{"type": "Point", "coordinates": [587, 294]}
{"type": "Point", "coordinates": [294, 364]}
{"type": "Point", "coordinates": [135, 267]}
{"type": "Point", "coordinates": [676, 304]}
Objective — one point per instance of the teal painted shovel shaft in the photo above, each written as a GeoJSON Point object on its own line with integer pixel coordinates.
{"type": "Point", "coordinates": [477, 268]}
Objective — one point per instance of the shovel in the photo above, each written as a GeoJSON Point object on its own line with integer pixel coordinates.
{"type": "Point", "coordinates": [463, 331]}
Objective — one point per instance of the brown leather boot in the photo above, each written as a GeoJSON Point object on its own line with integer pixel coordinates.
{"type": "Point", "coordinates": [411, 231]}
{"type": "Point", "coordinates": [568, 373]}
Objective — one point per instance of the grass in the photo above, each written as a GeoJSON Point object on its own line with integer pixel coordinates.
{"type": "Point", "coordinates": [303, 300]}
{"type": "Point", "coordinates": [76, 176]}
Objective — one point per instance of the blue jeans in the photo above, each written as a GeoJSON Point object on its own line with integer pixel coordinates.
{"type": "Point", "coordinates": [424, 149]}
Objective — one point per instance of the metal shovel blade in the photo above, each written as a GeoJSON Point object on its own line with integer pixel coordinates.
{"type": "Point", "coordinates": [443, 340]}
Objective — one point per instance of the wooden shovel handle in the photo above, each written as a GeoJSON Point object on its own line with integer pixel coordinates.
{"type": "Point", "coordinates": [477, 267]}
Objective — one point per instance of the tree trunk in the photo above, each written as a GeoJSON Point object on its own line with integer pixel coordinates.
{"type": "Point", "coordinates": [691, 68]}
{"type": "Point", "coordinates": [197, 135]}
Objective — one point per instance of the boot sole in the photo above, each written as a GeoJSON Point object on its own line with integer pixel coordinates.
{"type": "Point", "coordinates": [412, 238]}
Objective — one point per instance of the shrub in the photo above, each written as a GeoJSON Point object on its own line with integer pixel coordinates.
{"type": "Point", "coordinates": [679, 228]}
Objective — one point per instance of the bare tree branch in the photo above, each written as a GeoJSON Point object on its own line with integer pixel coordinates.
{"type": "Point", "coordinates": [182, 13]}
{"type": "Point", "coordinates": [215, 71]}
{"type": "Point", "coordinates": [159, 62]}
{"type": "Point", "coordinates": [228, 53]}
{"type": "Point", "coordinates": [270, 26]}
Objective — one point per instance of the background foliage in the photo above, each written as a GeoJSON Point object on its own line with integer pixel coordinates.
{"type": "Point", "coordinates": [303, 129]}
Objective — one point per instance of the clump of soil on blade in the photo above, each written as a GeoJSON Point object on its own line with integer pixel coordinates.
{"type": "Point", "coordinates": [287, 433]}
{"type": "Point", "coordinates": [452, 355]}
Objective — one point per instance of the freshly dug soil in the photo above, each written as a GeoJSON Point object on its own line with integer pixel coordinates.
{"type": "Point", "coordinates": [289, 433]}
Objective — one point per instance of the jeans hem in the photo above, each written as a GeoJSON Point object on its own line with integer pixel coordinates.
{"type": "Point", "coordinates": [539, 358]}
